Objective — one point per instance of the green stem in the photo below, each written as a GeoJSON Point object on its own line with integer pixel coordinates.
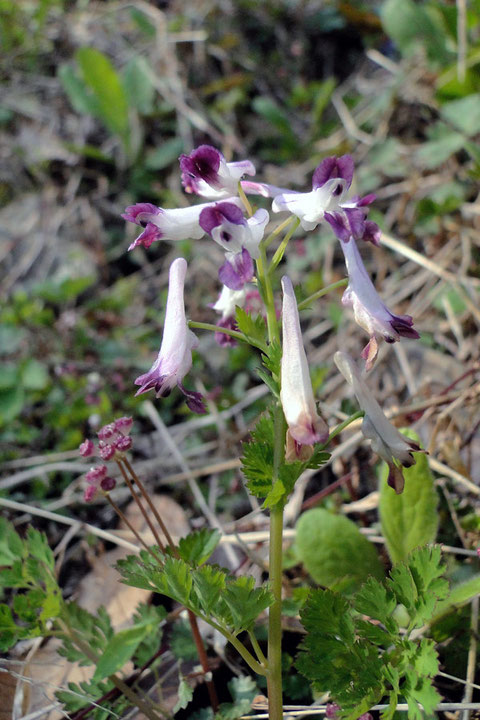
{"type": "Point", "coordinates": [257, 648]}
{"type": "Point", "coordinates": [320, 293]}
{"type": "Point", "coordinates": [244, 199]}
{"type": "Point", "coordinates": [336, 431]}
{"type": "Point", "coordinates": [268, 240]}
{"type": "Point", "coordinates": [275, 703]}
{"type": "Point", "coordinates": [233, 333]}
{"type": "Point", "coordinates": [265, 282]}
{"type": "Point", "coordinates": [282, 247]}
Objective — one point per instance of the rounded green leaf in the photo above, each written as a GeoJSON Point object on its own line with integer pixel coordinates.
{"type": "Point", "coordinates": [334, 552]}
{"type": "Point", "coordinates": [411, 519]}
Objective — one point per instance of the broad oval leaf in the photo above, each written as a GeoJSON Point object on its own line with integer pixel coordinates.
{"type": "Point", "coordinates": [334, 551]}
{"type": "Point", "coordinates": [411, 519]}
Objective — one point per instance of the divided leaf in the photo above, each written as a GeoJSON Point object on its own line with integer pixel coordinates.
{"type": "Point", "coordinates": [252, 326]}
{"type": "Point", "coordinates": [197, 547]}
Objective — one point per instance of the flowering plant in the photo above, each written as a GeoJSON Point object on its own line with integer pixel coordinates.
{"type": "Point", "coordinates": [354, 647]}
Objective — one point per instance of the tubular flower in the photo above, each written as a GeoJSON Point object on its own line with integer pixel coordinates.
{"type": "Point", "coordinates": [226, 224]}
{"type": "Point", "coordinates": [305, 426]}
{"type": "Point", "coordinates": [369, 310]}
{"type": "Point", "coordinates": [386, 440]}
{"type": "Point", "coordinates": [205, 172]}
{"type": "Point", "coordinates": [174, 359]}
{"type": "Point", "coordinates": [227, 301]}
{"type": "Point", "coordinates": [327, 200]}
{"type": "Point", "coordinates": [160, 224]}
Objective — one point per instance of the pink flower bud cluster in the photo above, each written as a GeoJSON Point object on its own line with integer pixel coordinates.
{"type": "Point", "coordinates": [113, 442]}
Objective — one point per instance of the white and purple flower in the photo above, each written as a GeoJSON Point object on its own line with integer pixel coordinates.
{"type": "Point", "coordinates": [160, 224]}
{"type": "Point", "coordinates": [205, 172]}
{"type": "Point", "coordinates": [239, 237]}
{"type": "Point", "coordinates": [227, 301]}
{"type": "Point", "coordinates": [387, 441]}
{"type": "Point", "coordinates": [327, 200]}
{"type": "Point", "coordinates": [174, 359]}
{"type": "Point", "coordinates": [305, 426]}
{"type": "Point", "coordinates": [369, 310]}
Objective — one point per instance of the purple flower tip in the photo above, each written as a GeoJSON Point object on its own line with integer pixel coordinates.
{"type": "Point", "coordinates": [222, 338]}
{"type": "Point", "coordinates": [403, 324]}
{"type": "Point", "coordinates": [106, 451]}
{"type": "Point", "coordinates": [132, 212]}
{"type": "Point", "coordinates": [202, 164]}
{"type": "Point", "coordinates": [333, 167]}
{"type": "Point", "coordinates": [237, 270]}
{"type": "Point", "coordinates": [194, 400]}
{"type": "Point", "coordinates": [212, 217]}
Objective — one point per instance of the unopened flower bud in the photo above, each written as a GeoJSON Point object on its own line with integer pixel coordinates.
{"type": "Point", "coordinates": [90, 493]}
{"type": "Point", "coordinates": [96, 474]}
{"type": "Point", "coordinates": [123, 425]}
{"type": "Point", "coordinates": [123, 444]}
{"type": "Point", "coordinates": [107, 432]}
{"type": "Point", "coordinates": [87, 448]}
{"type": "Point", "coordinates": [108, 483]}
{"type": "Point", "coordinates": [106, 451]}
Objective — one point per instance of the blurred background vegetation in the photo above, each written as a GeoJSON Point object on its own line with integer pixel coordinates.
{"type": "Point", "coordinates": [98, 99]}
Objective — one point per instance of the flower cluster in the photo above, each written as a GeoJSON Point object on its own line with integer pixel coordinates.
{"type": "Point", "coordinates": [206, 173]}
{"type": "Point", "coordinates": [113, 442]}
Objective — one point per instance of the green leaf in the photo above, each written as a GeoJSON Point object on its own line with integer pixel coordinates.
{"type": "Point", "coordinates": [443, 142]}
{"type": "Point", "coordinates": [245, 602]}
{"type": "Point", "coordinates": [11, 546]}
{"type": "Point", "coordinates": [257, 459]}
{"type": "Point", "coordinates": [137, 79]}
{"type": "Point", "coordinates": [8, 629]}
{"type": "Point", "coordinates": [153, 614]}
{"type": "Point", "coordinates": [120, 649]}
{"type": "Point", "coordinates": [410, 519]}
{"type": "Point", "coordinates": [425, 659]}
{"type": "Point", "coordinates": [95, 630]}
{"type": "Point", "coordinates": [104, 82]}
{"type": "Point", "coordinates": [11, 338]}
{"type": "Point", "coordinates": [11, 403]}
{"type": "Point", "coordinates": [252, 326]}
{"type": "Point", "coordinates": [185, 694]}
{"type": "Point", "coordinates": [9, 375]}
{"type": "Point", "coordinates": [34, 375]}
{"type": "Point", "coordinates": [334, 659]}
{"type": "Point", "coordinates": [409, 25]}
{"type": "Point", "coordinates": [164, 155]}
{"type": "Point", "coordinates": [276, 117]}
{"type": "Point", "coordinates": [334, 551]}
{"type": "Point", "coordinates": [197, 547]}
{"type": "Point", "coordinates": [464, 114]}
{"type": "Point", "coordinates": [459, 595]}
{"type": "Point", "coordinates": [209, 582]}
{"type": "Point", "coordinates": [81, 100]}
{"type": "Point", "coordinates": [374, 600]}
{"type": "Point", "coordinates": [182, 643]}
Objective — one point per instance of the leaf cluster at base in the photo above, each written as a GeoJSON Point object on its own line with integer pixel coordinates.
{"type": "Point", "coordinates": [258, 464]}
{"type": "Point", "coordinates": [354, 648]}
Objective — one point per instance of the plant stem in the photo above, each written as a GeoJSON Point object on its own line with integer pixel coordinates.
{"type": "Point", "coordinates": [267, 241]}
{"type": "Point", "coordinates": [257, 648]}
{"type": "Point", "coordinates": [233, 333]}
{"type": "Point", "coordinates": [320, 293]}
{"type": "Point", "coordinates": [267, 294]}
{"type": "Point", "coordinates": [336, 431]}
{"type": "Point", "coordinates": [202, 655]}
{"type": "Point", "coordinates": [124, 519]}
{"type": "Point", "coordinates": [244, 199]}
{"type": "Point", "coordinates": [274, 678]}
{"type": "Point", "coordinates": [137, 499]}
{"type": "Point", "coordinates": [279, 252]}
